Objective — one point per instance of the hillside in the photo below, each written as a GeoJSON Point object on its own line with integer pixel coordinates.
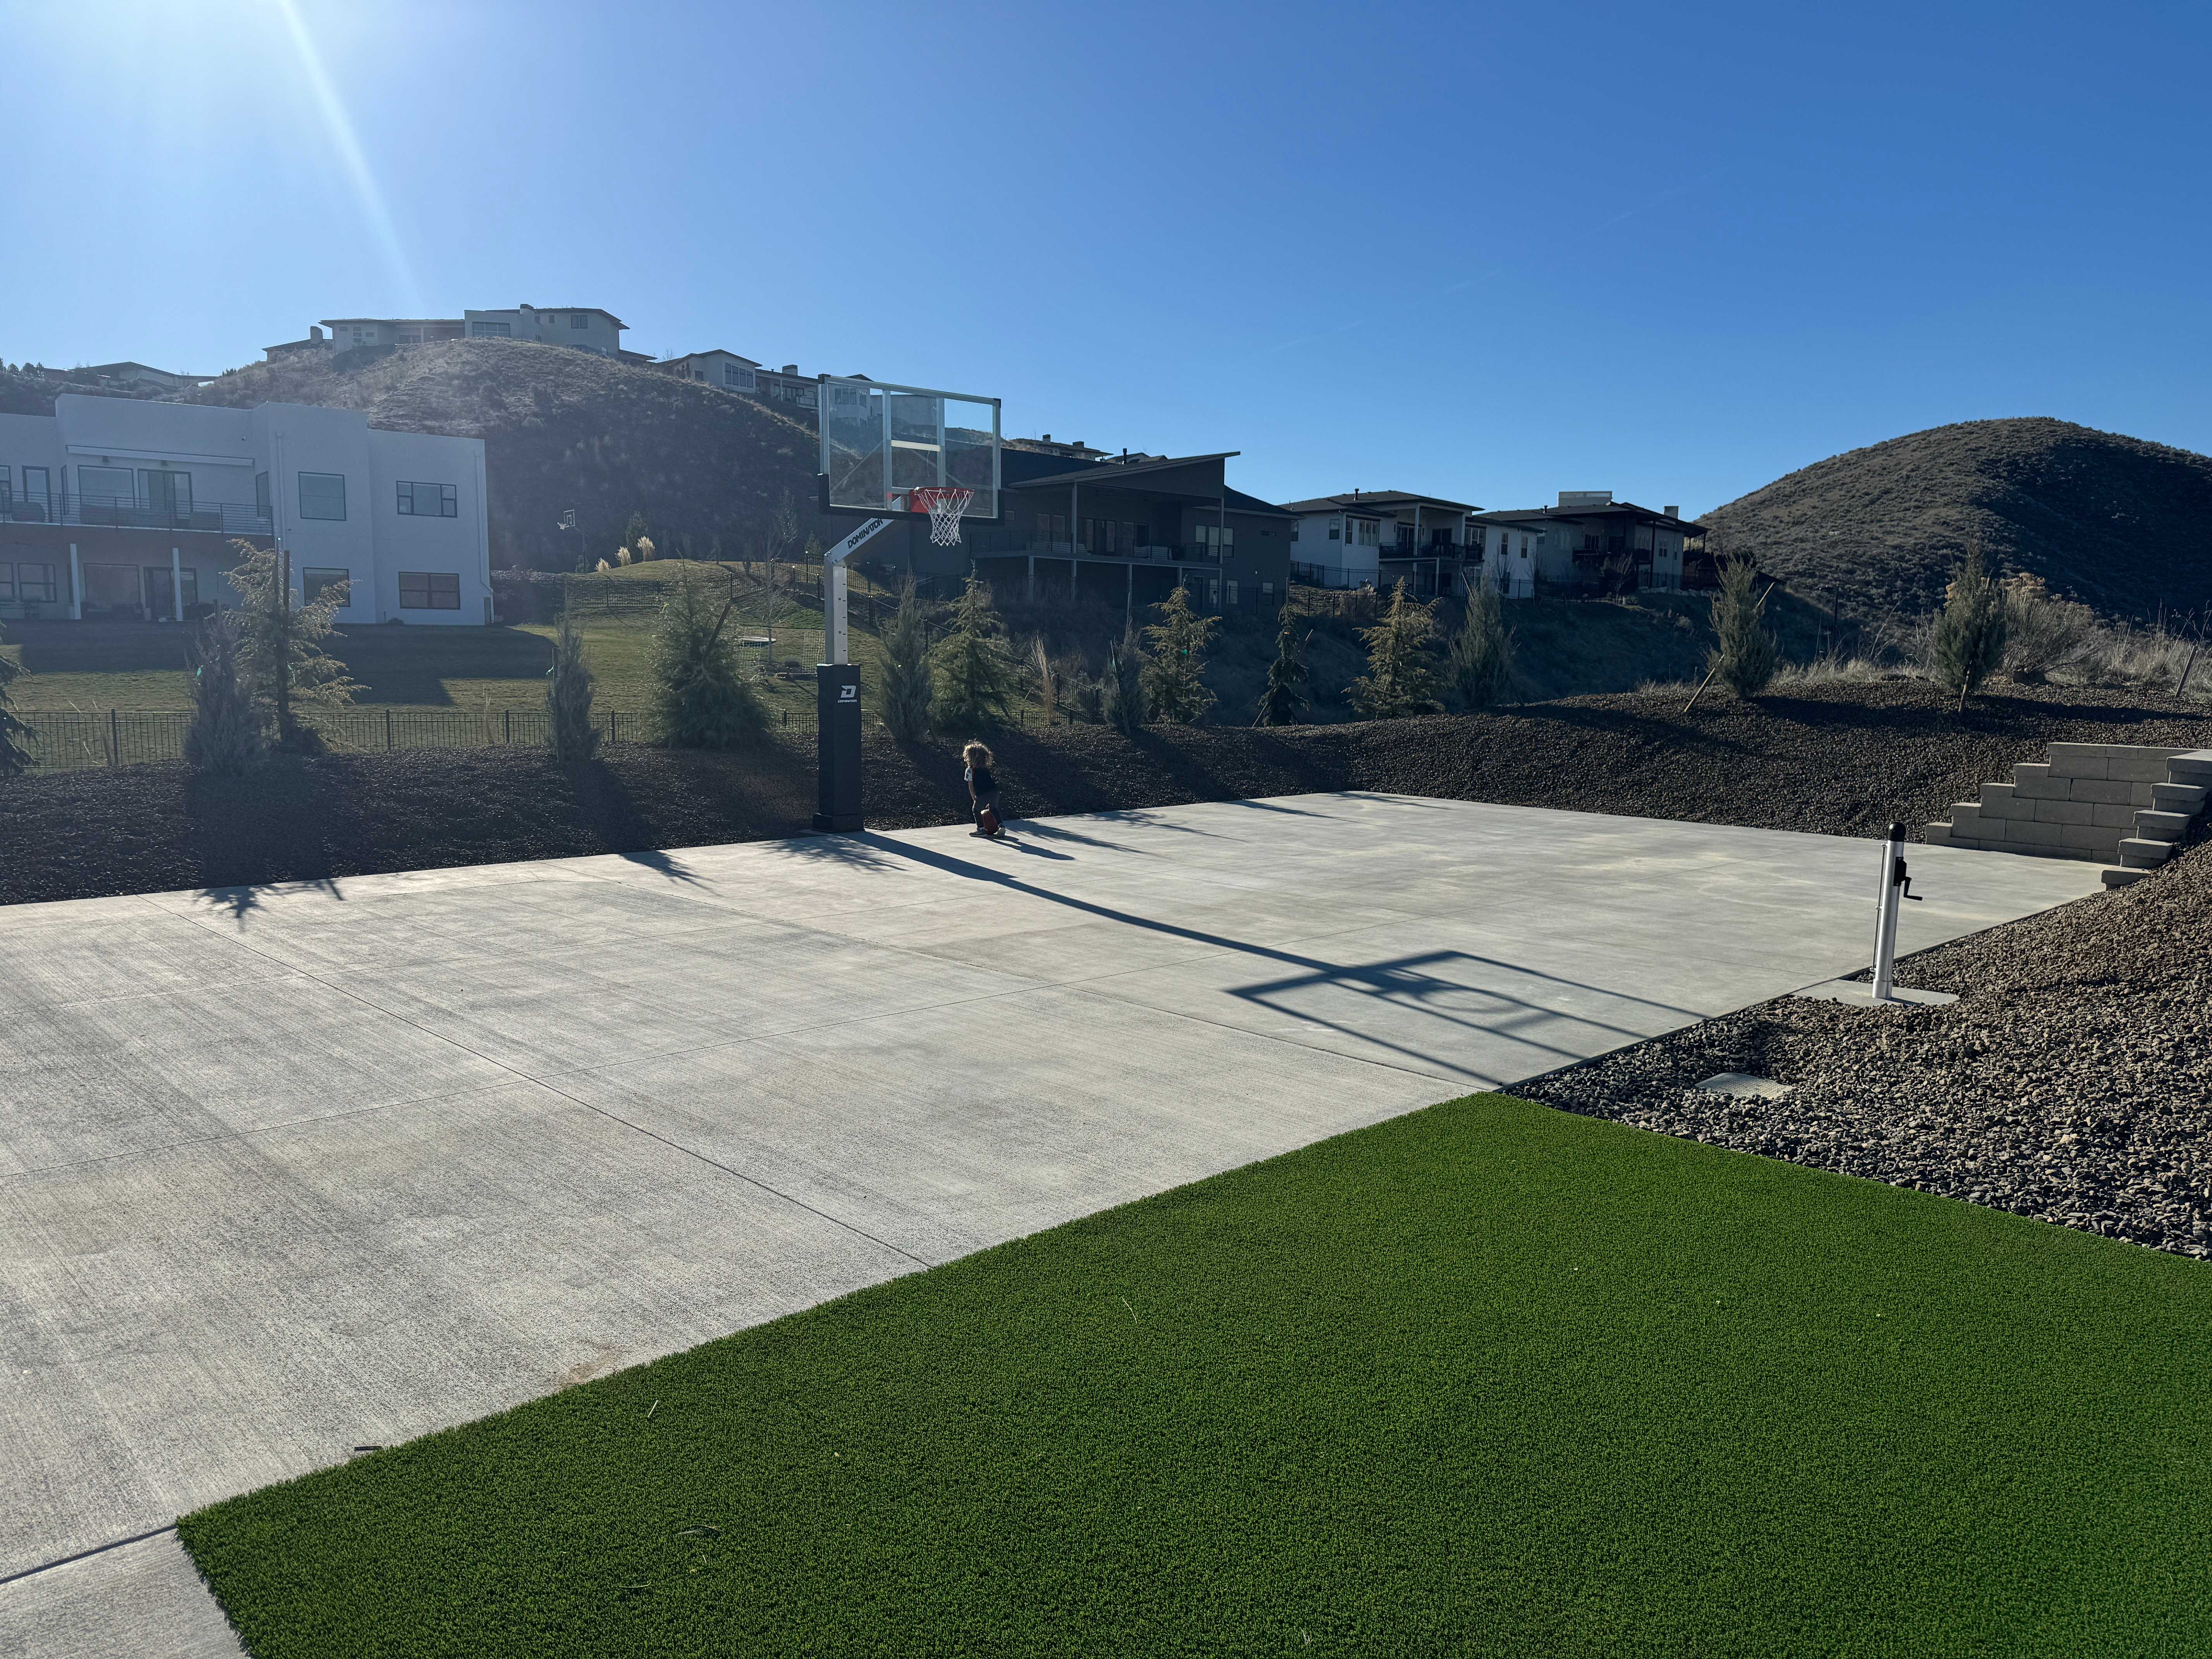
{"type": "Point", "coordinates": [562, 430]}
{"type": "Point", "coordinates": [2119, 523]}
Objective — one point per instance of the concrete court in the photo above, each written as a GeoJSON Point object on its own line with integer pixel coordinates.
{"type": "Point", "coordinates": [289, 1171]}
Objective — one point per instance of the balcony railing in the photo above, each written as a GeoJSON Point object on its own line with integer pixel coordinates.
{"type": "Point", "coordinates": [125, 513]}
{"type": "Point", "coordinates": [1003, 544]}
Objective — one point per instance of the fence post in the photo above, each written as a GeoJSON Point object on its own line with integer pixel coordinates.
{"type": "Point", "coordinates": [114, 740]}
{"type": "Point", "coordinates": [507, 727]}
{"type": "Point", "coordinates": [387, 731]}
{"type": "Point", "coordinates": [610, 725]}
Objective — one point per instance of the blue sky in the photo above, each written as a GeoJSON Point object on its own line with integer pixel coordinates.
{"type": "Point", "coordinates": [1483, 251]}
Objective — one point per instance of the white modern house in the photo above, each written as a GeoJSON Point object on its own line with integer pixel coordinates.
{"type": "Point", "coordinates": [118, 510]}
{"type": "Point", "coordinates": [1374, 537]}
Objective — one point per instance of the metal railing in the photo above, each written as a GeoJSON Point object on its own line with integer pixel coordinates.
{"type": "Point", "coordinates": [987, 545]}
{"type": "Point", "coordinates": [126, 513]}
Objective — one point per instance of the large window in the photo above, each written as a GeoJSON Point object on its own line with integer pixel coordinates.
{"type": "Point", "coordinates": [1371, 532]}
{"type": "Point", "coordinates": [316, 579]}
{"type": "Point", "coordinates": [427, 501]}
{"type": "Point", "coordinates": [165, 491]}
{"type": "Point", "coordinates": [322, 495]}
{"type": "Point", "coordinates": [429, 590]}
{"type": "Point", "coordinates": [738, 377]}
{"type": "Point", "coordinates": [36, 584]}
{"type": "Point", "coordinates": [108, 486]}
{"type": "Point", "coordinates": [490, 330]}
{"type": "Point", "coordinates": [580, 319]}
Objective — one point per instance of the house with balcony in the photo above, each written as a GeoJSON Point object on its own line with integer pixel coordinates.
{"type": "Point", "coordinates": [1377, 538]}
{"type": "Point", "coordinates": [721, 368]}
{"type": "Point", "coordinates": [118, 510]}
{"type": "Point", "coordinates": [586, 328]}
{"type": "Point", "coordinates": [1587, 542]}
{"type": "Point", "coordinates": [1120, 533]}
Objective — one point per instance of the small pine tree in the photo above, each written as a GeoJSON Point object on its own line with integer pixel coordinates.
{"type": "Point", "coordinates": [977, 679]}
{"type": "Point", "coordinates": [225, 735]}
{"type": "Point", "coordinates": [1282, 701]}
{"type": "Point", "coordinates": [1174, 679]}
{"type": "Point", "coordinates": [1402, 676]}
{"type": "Point", "coordinates": [909, 690]}
{"type": "Point", "coordinates": [1745, 654]}
{"type": "Point", "coordinates": [570, 732]}
{"type": "Point", "coordinates": [1122, 694]}
{"type": "Point", "coordinates": [701, 699]}
{"type": "Point", "coordinates": [13, 756]}
{"type": "Point", "coordinates": [1481, 668]}
{"type": "Point", "coordinates": [281, 657]}
{"type": "Point", "coordinates": [1970, 630]}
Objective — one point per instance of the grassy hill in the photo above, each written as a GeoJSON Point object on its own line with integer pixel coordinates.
{"type": "Point", "coordinates": [2123, 525]}
{"type": "Point", "coordinates": [562, 429]}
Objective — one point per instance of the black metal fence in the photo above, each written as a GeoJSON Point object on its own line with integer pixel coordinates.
{"type": "Point", "coordinates": [73, 740]}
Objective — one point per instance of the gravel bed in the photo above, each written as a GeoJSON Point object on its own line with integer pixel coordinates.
{"type": "Point", "coordinates": [2071, 1081]}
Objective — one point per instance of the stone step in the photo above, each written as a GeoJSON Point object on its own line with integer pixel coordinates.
{"type": "Point", "coordinates": [2139, 854]}
{"type": "Point", "coordinates": [2178, 797]}
{"type": "Point", "coordinates": [2160, 826]}
{"type": "Point", "coordinates": [2119, 876]}
{"type": "Point", "coordinates": [2193, 767]}
{"type": "Point", "coordinates": [1935, 835]}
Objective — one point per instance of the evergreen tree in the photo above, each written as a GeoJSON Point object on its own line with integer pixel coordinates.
{"type": "Point", "coordinates": [1282, 701]}
{"type": "Point", "coordinates": [700, 698]}
{"type": "Point", "coordinates": [1402, 676]}
{"type": "Point", "coordinates": [1746, 655]}
{"type": "Point", "coordinates": [909, 690]}
{"type": "Point", "coordinates": [977, 679]}
{"type": "Point", "coordinates": [570, 732]}
{"type": "Point", "coordinates": [1970, 630]}
{"type": "Point", "coordinates": [281, 657]}
{"type": "Point", "coordinates": [1174, 679]}
{"type": "Point", "coordinates": [226, 732]}
{"type": "Point", "coordinates": [1481, 666]}
{"type": "Point", "coordinates": [13, 756]}
{"type": "Point", "coordinates": [1122, 696]}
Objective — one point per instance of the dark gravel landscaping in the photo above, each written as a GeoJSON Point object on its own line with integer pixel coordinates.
{"type": "Point", "coordinates": [2071, 1081]}
{"type": "Point", "coordinates": [1842, 759]}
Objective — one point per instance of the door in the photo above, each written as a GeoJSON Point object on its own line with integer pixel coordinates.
{"type": "Point", "coordinates": [111, 593]}
{"type": "Point", "coordinates": [158, 592]}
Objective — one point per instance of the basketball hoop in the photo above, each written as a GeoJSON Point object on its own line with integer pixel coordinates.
{"type": "Point", "coordinates": [945, 503]}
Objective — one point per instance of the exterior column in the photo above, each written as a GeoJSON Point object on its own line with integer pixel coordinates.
{"type": "Point", "coordinates": [1128, 591]}
{"type": "Point", "coordinates": [176, 583]}
{"type": "Point", "coordinates": [77, 587]}
{"type": "Point", "coordinates": [1032, 593]}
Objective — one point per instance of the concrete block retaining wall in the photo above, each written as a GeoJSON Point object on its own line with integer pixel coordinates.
{"type": "Point", "coordinates": [2106, 803]}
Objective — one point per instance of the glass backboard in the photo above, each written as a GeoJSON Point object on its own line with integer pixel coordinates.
{"type": "Point", "coordinates": [880, 441]}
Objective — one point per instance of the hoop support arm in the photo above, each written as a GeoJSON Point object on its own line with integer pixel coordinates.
{"type": "Point", "coordinates": [833, 586]}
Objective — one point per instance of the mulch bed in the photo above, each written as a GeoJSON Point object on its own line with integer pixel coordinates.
{"type": "Point", "coordinates": [1839, 760]}
{"type": "Point", "coordinates": [2071, 1081]}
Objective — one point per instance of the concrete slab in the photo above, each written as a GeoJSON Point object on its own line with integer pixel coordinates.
{"type": "Point", "coordinates": [287, 1170]}
{"type": "Point", "coordinates": [142, 1601]}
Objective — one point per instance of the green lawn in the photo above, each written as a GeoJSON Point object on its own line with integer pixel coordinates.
{"type": "Point", "coordinates": [1488, 1378]}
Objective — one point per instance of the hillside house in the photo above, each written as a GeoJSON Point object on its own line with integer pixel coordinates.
{"type": "Point", "coordinates": [586, 328]}
{"type": "Point", "coordinates": [721, 368]}
{"type": "Point", "coordinates": [122, 511]}
{"type": "Point", "coordinates": [1587, 541]}
{"type": "Point", "coordinates": [1375, 537]}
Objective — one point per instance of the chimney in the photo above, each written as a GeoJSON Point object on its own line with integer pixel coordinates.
{"type": "Point", "coordinates": [1672, 512]}
{"type": "Point", "coordinates": [791, 368]}
{"type": "Point", "coordinates": [1046, 439]}
{"type": "Point", "coordinates": [314, 332]}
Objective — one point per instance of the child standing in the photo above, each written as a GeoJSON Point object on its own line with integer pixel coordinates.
{"type": "Point", "coordinates": [983, 790]}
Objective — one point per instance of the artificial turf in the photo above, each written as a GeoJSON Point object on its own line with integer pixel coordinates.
{"type": "Point", "coordinates": [1486, 1378]}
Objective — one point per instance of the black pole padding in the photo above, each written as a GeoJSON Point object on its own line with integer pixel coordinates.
{"type": "Point", "coordinates": [837, 752]}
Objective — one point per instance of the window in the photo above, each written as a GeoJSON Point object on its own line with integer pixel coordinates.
{"type": "Point", "coordinates": [1370, 533]}
{"type": "Point", "coordinates": [7, 584]}
{"type": "Point", "coordinates": [1267, 589]}
{"type": "Point", "coordinates": [738, 377]}
{"type": "Point", "coordinates": [315, 578]}
{"type": "Point", "coordinates": [490, 330]}
{"type": "Point", "coordinates": [34, 486]}
{"type": "Point", "coordinates": [1336, 530]}
{"type": "Point", "coordinates": [322, 495]}
{"type": "Point", "coordinates": [1232, 592]}
{"type": "Point", "coordinates": [429, 590]}
{"type": "Point", "coordinates": [261, 505]}
{"type": "Point", "coordinates": [164, 491]}
{"type": "Point", "coordinates": [427, 501]}
{"type": "Point", "coordinates": [1294, 529]}
{"type": "Point", "coordinates": [580, 319]}
{"type": "Point", "coordinates": [109, 486]}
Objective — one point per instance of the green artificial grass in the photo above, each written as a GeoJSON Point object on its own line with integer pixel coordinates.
{"type": "Point", "coordinates": [1485, 1379]}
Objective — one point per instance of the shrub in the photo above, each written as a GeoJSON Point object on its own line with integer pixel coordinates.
{"type": "Point", "coordinates": [1970, 630]}
{"type": "Point", "coordinates": [1402, 676]}
{"type": "Point", "coordinates": [2043, 633]}
{"type": "Point", "coordinates": [13, 756]}
{"type": "Point", "coordinates": [1175, 679]}
{"type": "Point", "coordinates": [909, 689]}
{"type": "Point", "coordinates": [977, 680]}
{"type": "Point", "coordinates": [701, 699]}
{"type": "Point", "coordinates": [225, 735]}
{"type": "Point", "coordinates": [281, 658]}
{"type": "Point", "coordinates": [570, 732]}
{"type": "Point", "coordinates": [1481, 668]}
{"type": "Point", "coordinates": [1746, 655]}
{"type": "Point", "coordinates": [1121, 698]}
{"type": "Point", "coordinates": [1282, 701]}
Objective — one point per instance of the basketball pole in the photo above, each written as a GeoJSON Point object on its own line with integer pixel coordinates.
{"type": "Point", "coordinates": [838, 808]}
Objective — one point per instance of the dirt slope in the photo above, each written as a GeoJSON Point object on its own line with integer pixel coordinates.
{"type": "Point", "coordinates": [2115, 522]}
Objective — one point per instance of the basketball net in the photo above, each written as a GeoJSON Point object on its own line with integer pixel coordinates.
{"type": "Point", "coordinates": [945, 503]}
